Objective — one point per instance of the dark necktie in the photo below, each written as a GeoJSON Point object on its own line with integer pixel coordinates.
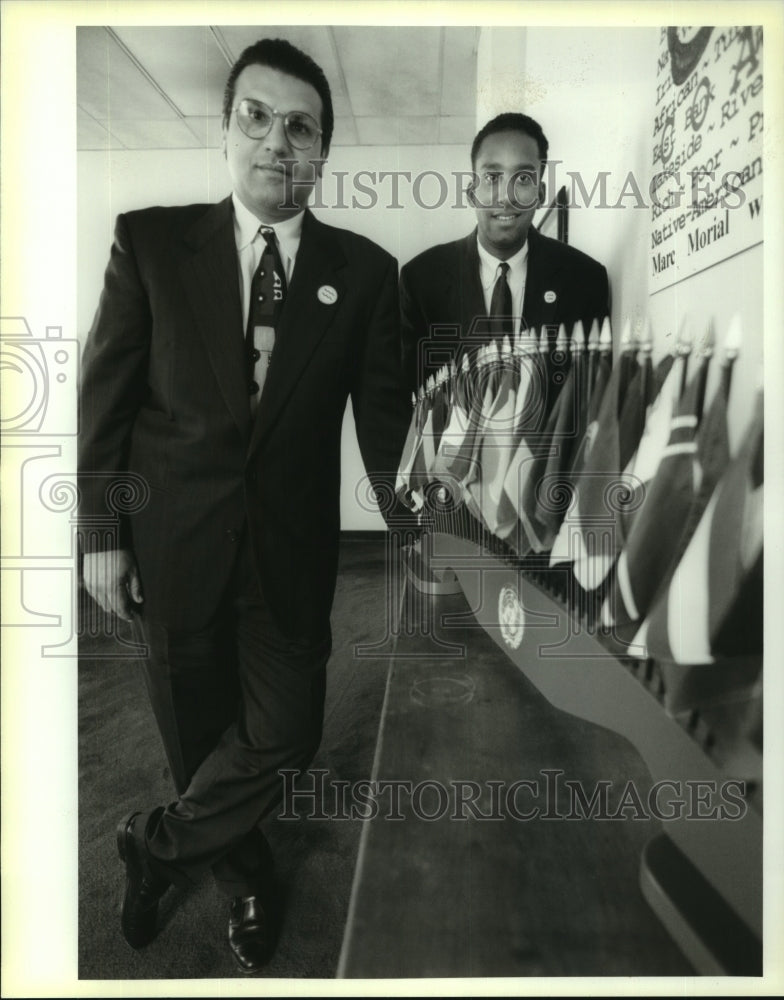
{"type": "Point", "coordinates": [501, 303]}
{"type": "Point", "coordinates": [267, 294]}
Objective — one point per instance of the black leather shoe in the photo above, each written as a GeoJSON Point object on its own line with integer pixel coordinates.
{"type": "Point", "coordinates": [143, 889]}
{"type": "Point", "coordinates": [251, 934]}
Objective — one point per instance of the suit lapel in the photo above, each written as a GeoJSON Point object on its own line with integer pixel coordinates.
{"type": "Point", "coordinates": [211, 282]}
{"type": "Point", "coordinates": [470, 294]}
{"type": "Point", "coordinates": [542, 283]}
{"type": "Point", "coordinates": [304, 320]}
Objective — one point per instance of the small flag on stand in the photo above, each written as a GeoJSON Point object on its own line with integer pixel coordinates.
{"type": "Point", "coordinates": [489, 385]}
{"type": "Point", "coordinates": [603, 367]}
{"type": "Point", "coordinates": [643, 465]}
{"type": "Point", "coordinates": [687, 473]}
{"type": "Point", "coordinates": [528, 423]}
{"type": "Point", "coordinates": [454, 461]}
{"type": "Point", "coordinates": [454, 434]}
{"type": "Point", "coordinates": [403, 482]}
{"type": "Point", "coordinates": [440, 408]}
{"type": "Point", "coordinates": [547, 489]}
{"type": "Point", "coordinates": [424, 454]}
{"type": "Point", "coordinates": [586, 538]}
{"type": "Point", "coordinates": [713, 604]}
{"type": "Point", "coordinates": [497, 448]}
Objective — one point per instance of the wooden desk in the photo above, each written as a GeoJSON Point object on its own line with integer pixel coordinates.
{"type": "Point", "coordinates": [495, 897]}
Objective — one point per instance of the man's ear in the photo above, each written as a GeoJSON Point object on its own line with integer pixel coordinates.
{"type": "Point", "coordinates": [542, 193]}
{"type": "Point", "coordinates": [224, 136]}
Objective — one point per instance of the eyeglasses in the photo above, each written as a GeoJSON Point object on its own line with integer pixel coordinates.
{"type": "Point", "coordinates": [255, 119]}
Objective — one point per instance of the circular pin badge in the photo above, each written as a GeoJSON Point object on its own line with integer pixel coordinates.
{"type": "Point", "coordinates": [549, 296]}
{"type": "Point", "coordinates": [327, 294]}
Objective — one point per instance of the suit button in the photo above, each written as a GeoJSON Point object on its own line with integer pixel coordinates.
{"type": "Point", "coordinates": [254, 388]}
{"type": "Point", "coordinates": [231, 534]}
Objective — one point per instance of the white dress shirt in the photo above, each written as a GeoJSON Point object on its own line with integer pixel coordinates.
{"type": "Point", "coordinates": [250, 246]}
{"type": "Point", "coordinates": [489, 269]}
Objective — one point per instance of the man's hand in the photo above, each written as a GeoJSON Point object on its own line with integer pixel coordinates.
{"type": "Point", "coordinates": [112, 578]}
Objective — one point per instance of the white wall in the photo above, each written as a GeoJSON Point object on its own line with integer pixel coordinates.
{"type": "Point", "coordinates": [593, 92]}
{"type": "Point", "coordinates": [112, 182]}
{"type": "Point", "coordinates": [591, 89]}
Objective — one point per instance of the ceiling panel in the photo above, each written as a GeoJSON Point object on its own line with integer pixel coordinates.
{"type": "Point", "coordinates": [109, 85]}
{"type": "Point", "coordinates": [391, 71]}
{"type": "Point", "coordinates": [208, 130]}
{"type": "Point", "coordinates": [316, 40]}
{"type": "Point", "coordinates": [194, 78]}
{"type": "Point", "coordinates": [90, 134]}
{"type": "Point", "coordinates": [416, 131]}
{"type": "Point", "coordinates": [154, 135]}
{"type": "Point", "coordinates": [162, 87]}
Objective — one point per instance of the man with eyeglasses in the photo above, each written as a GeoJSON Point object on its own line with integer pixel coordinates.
{"type": "Point", "coordinates": [505, 269]}
{"type": "Point", "coordinates": [215, 378]}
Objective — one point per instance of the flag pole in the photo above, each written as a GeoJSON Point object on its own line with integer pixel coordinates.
{"type": "Point", "coordinates": [732, 344]}
{"type": "Point", "coordinates": [683, 350]}
{"type": "Point", "coordinates": [646, 350]}
{"type": "Point", "coordinates": [592, 347]}
{"type": "Point", "coordinates": [705, 355]}
{"type": "Point", "coordinates": [629, 349]}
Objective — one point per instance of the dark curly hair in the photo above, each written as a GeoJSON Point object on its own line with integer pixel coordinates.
{"type": "Point", "coordinates": [281, 55]}
{"type": "Point", "coordinates": [511, 121]}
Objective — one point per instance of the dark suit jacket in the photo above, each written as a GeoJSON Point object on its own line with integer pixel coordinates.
{"type": "Point", "coordinates": [441, 287]}
{"type": "Point", "coordinates": [163, 396]}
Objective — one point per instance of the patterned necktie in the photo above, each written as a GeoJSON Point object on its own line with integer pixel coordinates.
{"type": "Point", "coordinates": [501, 302]}
{"type": "Point", "coordinates": [267, 294]}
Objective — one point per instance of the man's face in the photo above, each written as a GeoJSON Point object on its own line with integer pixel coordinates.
{"type": "Point", "coordinates": [261, 181]}
{"type": "Point", "coordinates": [509, 190]}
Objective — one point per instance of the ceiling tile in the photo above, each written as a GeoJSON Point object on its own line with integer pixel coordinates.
{"type": "Point", "coordinates": [91, 135]}
{"type": "Point", "coordinates": [397, 131]}
{"type": "Point", "coordinates": [194, 80]}
{"type": "Point", "coordinates": [391, 71]}
{"type": "Point", "coordinates": [154, 135]}
{"type": "Point", "coordinates": [208, 130]}
{"type": "Point", "coordinates": [315, 40]}
{"type": "Point", "coordinates": [412, 84]}
{"type": "Point", "coordinates": [109, 85]}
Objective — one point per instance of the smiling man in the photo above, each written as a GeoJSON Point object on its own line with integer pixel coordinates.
{"type": "Point", "coordinates": [214, 383]}
{"type": "Point", "coordinates": [505, 269]}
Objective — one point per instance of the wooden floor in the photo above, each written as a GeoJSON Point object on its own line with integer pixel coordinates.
{"type": "Point", "coordinates": [458, 895]}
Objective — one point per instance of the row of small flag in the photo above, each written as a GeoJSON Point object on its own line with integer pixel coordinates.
{"type": "Point", "coordinates": [616, 474]}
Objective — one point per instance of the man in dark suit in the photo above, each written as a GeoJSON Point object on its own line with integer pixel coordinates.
{"type": "Point", "coordinates": [504, 268]}
{"type": "Point", "coordinates": [215, 378]}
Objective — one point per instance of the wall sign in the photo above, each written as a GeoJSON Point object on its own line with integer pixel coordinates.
{"type": "Point", "coordinates": [706, 191]}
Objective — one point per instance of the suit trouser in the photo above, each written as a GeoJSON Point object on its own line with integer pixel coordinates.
{"type": "Point", "coordinates": [235, 702]}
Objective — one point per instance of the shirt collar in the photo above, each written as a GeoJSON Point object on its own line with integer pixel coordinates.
{"type": "Point", "coordinates": [246, 226]}
{"type": "Point", "coordinates": [488, 264]}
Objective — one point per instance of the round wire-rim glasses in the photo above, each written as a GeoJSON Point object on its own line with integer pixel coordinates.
{"type": "Point", "coordinates": [255, 119]}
